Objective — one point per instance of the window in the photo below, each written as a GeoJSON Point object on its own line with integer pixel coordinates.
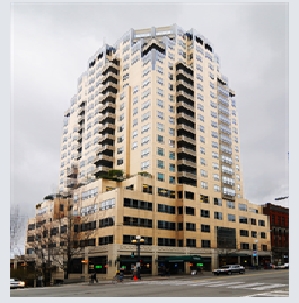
{"type": "Point", "coordinates": [144, 140]}
{"type": "Point", "coordinates": [230, 204]}
{"type": "Point", "coordinates": [253, 221]}
{"type": "Point", "coordinates": [145, 152]}
{"type": "Point", "coordinates": [120, 161]}
{"type": "Point", "coordinates": [160, 151]}
{"type": "Point", "coordinates": [261, 223]}
{"type": "Point", "coordinates": [205, 243]}
{"type": "Point", "coordinates": [203, 173]}
{"type": "Point", "coordinates": [202, 161]}
{"type": "Point", "coordinates": [160, 177]}
{"type": "Point", "coordinates": [244, 245]}
{"type": "Point", "coordinates": [242, 220]}
{"type": "Point", "coordinates": [160, 127]}
{"type": "Point", "coordinates": [163, 208]}
{"type": "Point", "coordinates": [244, 233]}
{"type": "Point", "coordinates": [171, 179]}
{"type": "Point", "coordinates": [202, 139]}
{"type": "Point", "coordinates": [215, 155]}
{"type": "Point", "coordinates": [202, 150]}
{"type": "Point", "coordinates": [172, 155]}
{"type": "Point", "coordinates": [160, 115]}
{"type": "Point", "coordinates": [204, 185]}
{"type": "Point", "coordinates": [216, 177]}
{"type": "Point", "coordinates": [216, 188]}
{"type": "Point", "coordinates": [218, 215]}
{"type": "Point", "coordinates": [145, 165]}
{"type": "Point", "coordinates": [204, 199]}
{"type": "Point", "coordinates": [253, 234]}
{"type": "Point", "coordinates": [263, 235]}
{"type": "Point", "coordinates": [171, 121]}
{"type": "Point", "coordinates": [191, 226]}
{"type": "Point", "coordinates": [201, 128]}
{"type": "Point", "coordinates": [191, 242]}
{"type": "Point", "coordinates": [135, 122]}
{"type": "Point", "coordinates": [160, 103]}
{"type": "Point", "coordinates": [215, 135]}
{"type": "Point", "coordinates": [201, 117]}
{"type": "Point", "coordinates": [205, 228]}
{"type": "Point", "coordinates": [160, 139]}
{"type": "Point", "coordinates": [217, 201]}
{"type": "Point", "coordinates": [160, 164]}
{"type": "Point", "coordinates": [214, 144]}
{"type": "Point", "coordinates": [171, 108]}
{"type": "Point", "coordinates": [231, 217]}
{"type": "Point", "coordinates": [215, 165]}
{"type": "Point", "coordinates": [205, 213]}
{"type": "Point", "coordinates": [171, 167]}
{"type": "Point", "coordinates": [171, 131]}
{"type": "Point", "coordinates": [171, 143]}
{"type": "Point", "coordinates": [242, 207]}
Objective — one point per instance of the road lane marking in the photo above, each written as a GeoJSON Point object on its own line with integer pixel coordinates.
{"type": "Point", "coordinates": [248, 285]}
{"type": "Point", "coordinates": [269, 286]}
{"type": "Point", "coordinates": [218, 284]}
{"type": "Point", "coordinates": [274, 293]}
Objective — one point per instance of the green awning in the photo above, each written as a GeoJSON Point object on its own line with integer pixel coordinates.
{"type": "Point", "coordinates": [234, 255]}
{"type": "Point", "coordinates": [183, 258]}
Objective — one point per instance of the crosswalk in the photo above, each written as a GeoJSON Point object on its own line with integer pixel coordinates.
{"type": "Point", "coordinates": [273, 293]}
{"type": "Point", "coordinates": [258, 286]}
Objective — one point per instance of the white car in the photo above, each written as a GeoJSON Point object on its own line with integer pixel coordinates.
{"type": "Point", "coordinates": [15, 283]}
{"type": "Point", "coordinates": [286, 265]}
{"type": "Point", "coordinates": [229, 269]}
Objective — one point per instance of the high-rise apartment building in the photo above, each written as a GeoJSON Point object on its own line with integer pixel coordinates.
{"type": "Point", "coordinates": [156, 107]}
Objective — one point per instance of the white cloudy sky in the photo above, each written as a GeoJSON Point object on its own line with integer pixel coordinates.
{"type": "Point", "coordinates": [50, 48]}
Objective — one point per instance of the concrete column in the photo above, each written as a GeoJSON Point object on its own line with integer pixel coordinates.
{"type": "Point", "coordinates": [154, 264]}
{"type": "Point", "coordinates": [187, 268]}
{"type": "Point", "coordinates": [214, 259]}
{"type": "Point", "coordinates": [239, 260]}
{"type": "Point", "coordinates": [112, 262]}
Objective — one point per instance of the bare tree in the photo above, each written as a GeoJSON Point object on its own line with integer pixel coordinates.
{"type": "Point", "coordinates": [17, 230]}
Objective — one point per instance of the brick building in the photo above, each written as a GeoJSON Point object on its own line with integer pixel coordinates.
{"type": "Point", "coordinates": [279, 224]}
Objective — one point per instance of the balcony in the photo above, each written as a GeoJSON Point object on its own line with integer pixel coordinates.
{"type": "Point", "coordinates": [186, 139]}
{"type": "Point", "coordinates": [107, 115]}
{"type": "Point", "coordinates": [181, 93]}
{"type": "Point", "coordinates": [186, 174]}
{"type": "Point", "coordinates": [110, 74]}
{"type": "Point", "coordinates": [184, 83]}
{"type": "Point", "coordinates": [103, 147]}
{"type": "Point", "coordinates": [186, 151]}
{"type": "Point", "coordinates": [107, 137]}
{"type": "Point", "coordinates": [81, 118]}
{"type": "Point", "coordinates": [187, 106]}
{"type": "Point", "coordinates": [107, 95]}
{"type": "Point", "coordinates": [185, 116]}
{"type": "Point", "coordinates": [186, 162]}
{"type": "Point", "coordinates": [102, 157]}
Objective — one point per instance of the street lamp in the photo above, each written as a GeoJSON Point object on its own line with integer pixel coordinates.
{"type": "Point", "coordinates": [138, 242]}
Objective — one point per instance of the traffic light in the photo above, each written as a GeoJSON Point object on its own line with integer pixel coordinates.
{"type": "Point", "coordinates": [132, 255]}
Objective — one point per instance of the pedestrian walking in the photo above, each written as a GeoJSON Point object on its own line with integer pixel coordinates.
{"type": "Point", "coordinates": [121, 275]}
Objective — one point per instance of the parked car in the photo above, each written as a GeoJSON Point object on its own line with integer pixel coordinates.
{"type": "Point", "coordinates": [286, 265]}
{"type": "Point", "coordinates": [15, 283]}
{"type": "Point", "coordinates": [229, 269]}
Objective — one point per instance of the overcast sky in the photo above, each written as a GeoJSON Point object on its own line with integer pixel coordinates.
{"type": "Point", "coordinates": [51, 45]}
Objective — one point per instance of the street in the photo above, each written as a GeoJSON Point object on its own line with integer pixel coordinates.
{"type": "Point", "coordinates": [272, 283]}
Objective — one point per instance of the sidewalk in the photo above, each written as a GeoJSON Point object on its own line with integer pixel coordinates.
{"type": "Point", "coordinates": [143, 278]}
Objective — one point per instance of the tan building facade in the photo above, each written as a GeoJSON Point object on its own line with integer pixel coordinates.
{"type": "Point", "coordinates": [156, 107]}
